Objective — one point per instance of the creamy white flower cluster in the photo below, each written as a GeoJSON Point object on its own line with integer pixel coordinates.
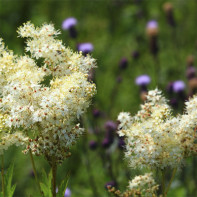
{"type": "Point", "coordinates": [142, 185]}
{"type": "Point", "coordinates": [145, 184]}
{"type": "Point", "coordinates": [154, 138]}
{"type": "Point", "coordinates": [45, 100]}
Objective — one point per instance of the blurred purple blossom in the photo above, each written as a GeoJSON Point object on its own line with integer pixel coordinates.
{"type": "Point", "coordinates": [152, 24]}
{"type": "Point", "coordinates": [123, 63]}
{"type": "Point", "coordinates": [142, 80]}
{"type": "Point", "coordinates": [68, 23]}
{"type": "Point", "coordinates": [110, 126]}
{"type": "Point", "coordinates": [135, 54]}
{"type": "Point", "coordinates": [106, 142]}
{"type": "Point", "coordinates": [110, 183]}
{"type": "Point", "coordinates": [178, 86]}
{"type": "Point", "coordinates": [96, 113]}
{"type": "Point", "coordinates": [67, 192]}
{"type": "Point", "coordinates": [85, 47]}
{"type": "Point", "coordinates": [93, 144]}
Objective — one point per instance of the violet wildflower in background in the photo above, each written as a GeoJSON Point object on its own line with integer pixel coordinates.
{"type": "Point", "coordinates": [135, 54]}
{"type": "Point", "coordinates": [110, 183]}
{"type": "Point", "coordinates": [93, 144]}
{"type": "Point", "coordinates": [178, 86]}
{"type": "Point", "coordinates": [67, 192]}
{"type": "Point", "coordinates": [152, 33]}
{"type": "Point", "coordinates": [143, 81]}
{"type": "Point", "coordinates": [96, 113]}
{"type": "Point", "coordinates": [111, 126]}
{"type": "Point", "coordinates": [85, 48]}
{"type": "Point", "coordinates": [123, 63]}
{"type": "Point", "coordinates": [69, 24]}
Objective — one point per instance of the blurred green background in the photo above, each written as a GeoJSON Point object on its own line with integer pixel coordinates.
{"type": "Point", "coordinates": [116, 28]}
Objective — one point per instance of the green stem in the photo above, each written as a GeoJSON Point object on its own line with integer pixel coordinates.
{"type": "Point", "coordinates": [35, 173]}
{"type": "Point", "coordinates": [163, 183]}
{"type": "Point", "coordinates": [54, 171]}
{"type": "Point", "coordinates": [2, 175]}
{"type": "Point", "coordinates": [172, 178]}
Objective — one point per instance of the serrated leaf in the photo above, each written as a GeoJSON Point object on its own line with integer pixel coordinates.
{"type": "Point", "coordinates": [63, 186]}
{"type": "Point", "coordinates": [8, 178]}
{"type": "Point", "coordinates": [9, 189]}
{"type": "Point", "coordinates": [11, 192]}
{"type": "Point", "coordinates": [44, 188]}
{"type": "Point", "coordinates": [46, 183]}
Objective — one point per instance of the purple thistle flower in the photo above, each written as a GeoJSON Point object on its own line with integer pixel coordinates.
{"type": "Point", "coordinates": [123, 63]}
{"type": "Point", "coordinates": [152, 24]}
{"type": "Point", "coordinates": [135, 54]}
{"type": "Point", "coordinates": [85, 47]}
{"type": "Point", "coordinates": [68, 23]}
{"type": "Point", "coordinates": [96, 113]}
{"type": "Point", "coordinates": [106, 142]}
{"type": "Point", "coordinates": [93, 144]}
{"type": "Point", "coordinates": [142, 80]}
{"type": "Point", "coordinates": [178, 86]}
{"type": "Point", "coordinates": [67, 192]}
{"type": "Point", "coordinates": [110, 183]}
{"type": "Point", "coordinates": [110, 126]}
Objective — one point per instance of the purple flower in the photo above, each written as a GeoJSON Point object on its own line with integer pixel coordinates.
{"type": "Point", "coordinates": [123, 63]}
{"type": "Point", "coordinates": [178, 86]}
{"type": "Point", "coordinates": [68, 23]}
{"type": "Point", "coordinates": [135, 54]}
{"type": "Point", "coordinates": [110, 126]}
{"type": "Point", "coordinates": [110, 183]}
{"type": "Point", "coordinates": [96, 113]}
{"type": "Point", "coordinates": [85, 47]}
{"type": "Point", "coordinates": [142, 80]}
{"type": "Point", "coordinates": [93, 144]}
{"type": "Point", "coordinates": [67, 192]}
{"type": "Point", "coordinates": [106, 142]}
{"type": "Point", "coordinates": [152, 24]}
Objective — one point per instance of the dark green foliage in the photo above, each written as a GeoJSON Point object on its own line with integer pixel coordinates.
{"type": "Point", "coordinates": [9, 188]}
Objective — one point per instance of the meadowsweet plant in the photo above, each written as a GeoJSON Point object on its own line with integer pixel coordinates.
{"type": "Point", "coordinates": [155, 139]}
{"type": "Point", "coordinates": [41, 103]}
{"type": "Point", "coordinates": [142, 185]}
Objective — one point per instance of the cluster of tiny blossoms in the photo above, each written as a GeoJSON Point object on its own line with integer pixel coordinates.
{"type": "Point", "coordinates": [143, 185]}
{"type": "Point", "coordinates": [45, 101]}
{"type": "Point", "coordinates": [154, 137]}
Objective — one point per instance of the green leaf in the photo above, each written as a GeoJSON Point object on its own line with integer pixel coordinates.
{"type": "Point", "coordinates": [46, 183]}
{"type": "Point", "coordinates": [63, 186]}
{"type": "Point", "coordinates": [9, 189]}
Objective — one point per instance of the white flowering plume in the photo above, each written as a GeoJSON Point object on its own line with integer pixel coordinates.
{"type": "Point", "coordinates": [45, 100]}
{"type": "Point", "coordinates": [145, 184]}
{"type": "Point", "coordinates": [142, 185]}
{"type": "Point", "coordinates": [154, 138]}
